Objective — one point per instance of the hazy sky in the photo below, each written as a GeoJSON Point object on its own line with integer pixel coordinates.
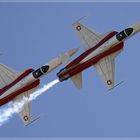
{"type": "Point", "coordinates": [31, 34]}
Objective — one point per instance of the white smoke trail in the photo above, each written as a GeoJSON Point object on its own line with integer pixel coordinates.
{"type": "Point", "coordinates": [7, 112]}
{"type": "Point", "coordinates": [42, 90]}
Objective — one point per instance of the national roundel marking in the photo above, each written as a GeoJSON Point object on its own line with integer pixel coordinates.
{"type": "Point", "coordinates": [78, 28]}
{"type": "Point", "coordinates": [109, 82]}
{"type": "Point", "coordinates": [26, 118]}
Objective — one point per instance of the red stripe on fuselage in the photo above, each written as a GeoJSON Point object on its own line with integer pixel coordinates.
{"type": "Point", "coordinates": [86, 53]}
{"type": "Point", "coordinates": [75, 66]}
{"type": "Point", "coordinates": [80, 67]}
{"type": "Point", "coordinates": [18, 92]}
{"type": "Point", "coordinates": [24, 74]}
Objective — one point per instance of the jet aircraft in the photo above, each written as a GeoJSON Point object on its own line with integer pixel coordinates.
{"type": "Point", "coordinates": [15, 86]}
{"type": "Point", "coordinates": [100, 52]}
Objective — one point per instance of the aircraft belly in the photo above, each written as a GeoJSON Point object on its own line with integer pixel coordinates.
{"type": "Point", "coordinates": [93, 54]}
{"type": "Point", "coordinates": [111, 43]}
{"type": "Point", "coordinates": [94, 48]}
{"type": "Point", "coordinates": [82, 66]}
{"type": "Point", "coordinates": [12, 95]}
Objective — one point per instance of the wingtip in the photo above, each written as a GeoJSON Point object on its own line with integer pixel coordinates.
{"type": "Point", "coordinates": [116, 85]}
{"type": "Point", "coordinates": [32, 121]}
{"type": "Point", "coordinates": [81, 18]}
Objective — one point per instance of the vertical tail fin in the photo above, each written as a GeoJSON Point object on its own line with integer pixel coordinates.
{"type": "Point", "coordinates": [77, 80]}
{"type": "Point", "coordinates": [66, 59]}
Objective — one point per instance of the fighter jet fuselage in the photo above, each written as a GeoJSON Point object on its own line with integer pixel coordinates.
{"type": "Point", "coordinates": [111, 43]}
{"type": "Point", "coordinates": [27, 80]}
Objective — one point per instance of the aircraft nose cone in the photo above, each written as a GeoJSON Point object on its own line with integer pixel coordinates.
{"type": "Point", "coordinates": [44, 68]}
{"type": "Point", "coordinates": [136, 27]}
{"type": "Point", "coordinates": [128, 31]}
{"type": "Point", "coordinates": [71, 52]}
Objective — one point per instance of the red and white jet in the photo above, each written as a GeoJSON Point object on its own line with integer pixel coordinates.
{"type": "Point", "coordinates": [101, 51]}
{"type": "Point", "coordinates": [15, 86]}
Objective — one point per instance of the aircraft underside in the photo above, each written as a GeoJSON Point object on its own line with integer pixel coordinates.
{"type": "Point", "coordinates": [12, 95]}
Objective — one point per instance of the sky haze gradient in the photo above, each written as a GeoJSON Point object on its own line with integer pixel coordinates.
{"type": "Point", "coordinates": [31, 34]}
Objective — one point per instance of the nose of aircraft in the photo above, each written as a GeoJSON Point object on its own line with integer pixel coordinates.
{"type": "Point", "coordinates": [136, 27]}
{"type": "Point", "coordinates": [128, 31]}
{"type": "Point", "coordinates": [71, 52]}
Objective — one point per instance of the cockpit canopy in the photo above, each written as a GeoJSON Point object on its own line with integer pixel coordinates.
{"type": "Point", "coordinates": [39, 72]}
{"type": "Point", "coordinates": [123, 34]}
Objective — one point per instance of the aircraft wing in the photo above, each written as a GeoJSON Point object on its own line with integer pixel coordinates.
{"type": "Point", "coordinates": [7, 75]}
{"type": "Point", "coordinates": [88, 37]}
{"type": "Point", "coordinates": [25, 112]}
{"type": "Point", "coordinates": [106, 68]}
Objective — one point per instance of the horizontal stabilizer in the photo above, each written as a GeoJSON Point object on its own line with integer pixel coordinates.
{"type": "Point", "coordinates": [77, 80]}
